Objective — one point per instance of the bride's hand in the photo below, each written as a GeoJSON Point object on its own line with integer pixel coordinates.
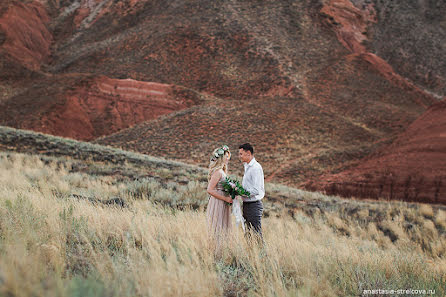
{"type": "Point", "coordinates": [229, 200]}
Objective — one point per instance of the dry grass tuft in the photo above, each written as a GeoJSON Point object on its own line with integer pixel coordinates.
{"type": "Point", "coordinates": [426, 211]}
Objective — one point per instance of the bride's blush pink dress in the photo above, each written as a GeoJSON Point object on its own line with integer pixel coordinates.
{"type": "Point", "coordinates": [218, 213]}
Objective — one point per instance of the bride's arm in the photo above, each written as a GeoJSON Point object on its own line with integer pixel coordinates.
{"type": "Point", "coordinates": [212, 187]}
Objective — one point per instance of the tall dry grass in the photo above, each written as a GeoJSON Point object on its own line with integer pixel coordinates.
{"type": "Point", "coordinates": [54, 245]}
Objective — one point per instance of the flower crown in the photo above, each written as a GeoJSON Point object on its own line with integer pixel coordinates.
{"type": "Point", "coordinates": [219, 152]}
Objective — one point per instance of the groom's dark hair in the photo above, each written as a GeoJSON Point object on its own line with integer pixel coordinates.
{"type": "Point", "coordinates": [247, 147]}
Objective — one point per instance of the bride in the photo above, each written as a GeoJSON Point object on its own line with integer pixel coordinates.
{"type": "Point", "coordinates": [218, 212]}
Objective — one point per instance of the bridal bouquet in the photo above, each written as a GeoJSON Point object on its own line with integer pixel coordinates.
{"type": "Point", "coordinates": [234, 188]}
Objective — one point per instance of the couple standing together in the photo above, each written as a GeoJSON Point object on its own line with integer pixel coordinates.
{"type": "Point", "coordinates": [219, 207]}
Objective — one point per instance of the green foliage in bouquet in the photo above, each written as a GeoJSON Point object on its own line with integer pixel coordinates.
{"type": "Point", "coordinates": [234, 188]}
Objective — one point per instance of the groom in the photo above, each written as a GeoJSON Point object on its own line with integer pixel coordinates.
{"type": "Point", "coordinates": [253, 182]}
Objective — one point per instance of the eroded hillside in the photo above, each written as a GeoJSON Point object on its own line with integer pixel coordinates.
{"type": "Point", "coordinates": [314, 85]}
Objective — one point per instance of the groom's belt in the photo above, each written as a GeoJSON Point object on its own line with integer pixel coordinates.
{"type": "Point", "coordinates": [248, 202]}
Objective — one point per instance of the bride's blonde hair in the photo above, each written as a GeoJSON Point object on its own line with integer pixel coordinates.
{"type": "Point", "coordinates": [217, 160]}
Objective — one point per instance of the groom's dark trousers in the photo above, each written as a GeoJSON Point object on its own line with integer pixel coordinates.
{"type": "Point", "coordinates": [252, 212]}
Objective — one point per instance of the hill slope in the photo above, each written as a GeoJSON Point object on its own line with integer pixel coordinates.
{"type": "Point", "coordinates": [412, 168]}
{"type": "Point", "coordinates": [304, 81]}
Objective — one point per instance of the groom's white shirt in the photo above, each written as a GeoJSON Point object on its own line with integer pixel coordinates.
{"type": "Point", "coordinates": [253, 181]}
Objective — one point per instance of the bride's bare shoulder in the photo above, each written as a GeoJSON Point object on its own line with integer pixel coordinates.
{"type": "Point", "coordinates": [217, 174]}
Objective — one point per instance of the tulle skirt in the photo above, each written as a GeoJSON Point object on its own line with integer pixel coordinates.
{"type": "Point", "coordinates": [218, 215]}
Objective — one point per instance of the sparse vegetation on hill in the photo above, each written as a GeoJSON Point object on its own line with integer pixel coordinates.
{"type": "Point", "coordinates": [422, 27]}
{"type": "Point", "coordinates": [55, 243]}
{"type": "Point", "coordinates": [286, 132]}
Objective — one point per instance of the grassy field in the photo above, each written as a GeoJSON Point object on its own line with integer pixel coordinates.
{"type": "Point", "coordinates": [78, 219]}
{"type": "Point", "coordinates": [60, 235]}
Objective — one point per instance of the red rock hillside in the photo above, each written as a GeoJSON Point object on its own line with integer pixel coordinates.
{"type": "Point", "coordinates": [315, 85]}
{"type": "Point", "coordinates": [25, 39]}
{"type": "Point", "coordinates": [413, 168]}
{"type": "Point", "coordinates": [80, 106]}
{"type": "Point", "coordinates": [96, 106]}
